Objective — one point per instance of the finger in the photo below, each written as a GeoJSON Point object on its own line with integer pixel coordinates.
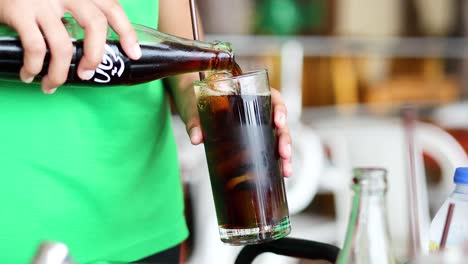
{"type": "Point", "coordinates": [61, 52]}
{"type": "Point", "coordinates": [94, 23]}
{"type": "Point", "coordinates": [194, 130]}
{"type": "Point", "coordinates": [118, 20]}
{"type": "Point", "coordinates": [280, 116]}
{"type": "Point", "coordinates": [279, 109]}
{"type": "Point", "coordinates": [285, 150]}
{"type": "Point", "coordinates": [284, 146]}
{"type": "Point", "coordinates": [34, 48]}
{"type": "Point", "coordinates": [286, 165]}
{"type": "Point", "coordinates": [187, 107]}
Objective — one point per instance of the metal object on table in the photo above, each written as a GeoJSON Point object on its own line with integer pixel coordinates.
{"type": "Point", "coordinates": [292, 247]}
{"type": "Point", "coordinates": [52, 253]}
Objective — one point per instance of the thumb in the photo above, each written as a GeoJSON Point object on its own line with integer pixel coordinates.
{"type": "Point", "coordinates": [194, 130]}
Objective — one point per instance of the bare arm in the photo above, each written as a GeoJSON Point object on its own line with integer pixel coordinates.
{"type": "Point", "coordinates": [174, 18]}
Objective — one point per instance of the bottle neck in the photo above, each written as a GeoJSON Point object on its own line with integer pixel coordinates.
{"type": "Point", "coordinates": [372, 215]}
{"type": "Point", "coordinates": [367, 238]}
{"type": "Point", "coordinates": [224, 56]}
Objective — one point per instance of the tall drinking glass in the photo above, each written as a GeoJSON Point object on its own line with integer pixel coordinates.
{"type": "Point", "coordinates": [243, 161]}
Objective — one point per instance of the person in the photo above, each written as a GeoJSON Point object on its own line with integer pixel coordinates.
{"type": "Point", "coordinates": [95, 169]}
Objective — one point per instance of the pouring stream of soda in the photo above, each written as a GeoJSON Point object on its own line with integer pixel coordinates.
{"type": "Point", "coordinates": [196, 35]}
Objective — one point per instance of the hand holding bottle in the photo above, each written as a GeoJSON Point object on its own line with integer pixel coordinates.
{"type": "Point", "coordinates": [38, 23]}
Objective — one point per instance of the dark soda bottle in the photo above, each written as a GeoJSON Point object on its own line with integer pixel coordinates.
{"type": "Point", "coordinates": [163, 55]}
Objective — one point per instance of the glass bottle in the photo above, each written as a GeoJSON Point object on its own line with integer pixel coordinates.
{"type": "Point", "coordinates": [163, 55]}
{"type": "Point", "coordinates": [367, 238]}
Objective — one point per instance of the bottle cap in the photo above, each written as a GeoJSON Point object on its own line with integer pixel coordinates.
{"type": "Point", "coordinates": [461, 175]}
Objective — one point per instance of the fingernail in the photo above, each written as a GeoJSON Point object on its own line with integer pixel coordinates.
{"type": "Point", "coordinates": [51, 91]}
{"type": "Point", "coordinates": [28, 79]}
{"type": "Point", "coordinates": [87, 75]}
{"type": "Point", "coordinates": [136, 50]}
{"type": "Point", "coordinates": [195, 134]}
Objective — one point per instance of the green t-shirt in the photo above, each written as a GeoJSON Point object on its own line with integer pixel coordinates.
{"type": "Point", "coordinates": [95, 168]}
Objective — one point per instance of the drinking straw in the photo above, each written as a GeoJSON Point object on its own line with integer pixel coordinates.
{"type": "Point", "coordinates": [448, 221]}
{"type": "Point", "coordinates": [409, 119]}
{"type": "Point", "coordinates": [196, 35]}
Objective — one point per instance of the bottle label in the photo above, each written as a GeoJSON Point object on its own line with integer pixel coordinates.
{"type": "Point", "coordinates": [111, 67]}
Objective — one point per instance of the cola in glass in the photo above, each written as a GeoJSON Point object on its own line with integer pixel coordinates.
{"type": "Point", "coordinates": [243, 161]}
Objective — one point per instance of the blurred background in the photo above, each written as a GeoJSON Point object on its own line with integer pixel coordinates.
{"type": "Point", "coordinates": [347, 69]}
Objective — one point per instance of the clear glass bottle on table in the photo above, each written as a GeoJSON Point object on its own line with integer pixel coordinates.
{"type": "Point", "coordinates": [367, 238]}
